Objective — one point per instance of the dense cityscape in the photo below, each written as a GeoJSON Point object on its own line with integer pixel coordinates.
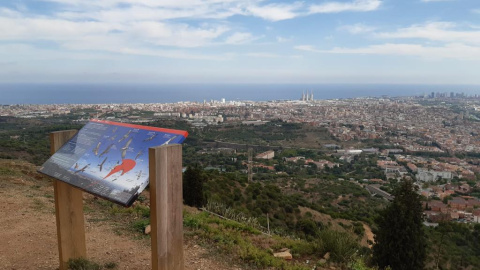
{"type": "Point", "coordinates": [434, 139]}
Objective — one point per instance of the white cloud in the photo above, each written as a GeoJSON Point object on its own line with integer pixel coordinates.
{"type": "Point", "coordinates": [239, 38]}
{"type": "Point", "coordinates": [357, 28]}
{"type": "Point", "coordinates": [177, 35]}
{"type": "Point", "coordinates": [136, 30]}
{"type": "Point", "coordinates": [115, 10]}
{"type": "Point", "coordinates": [142, 13]}
{"type": "Point", "coordinates": [450, 51]}
{"type": "Point", "coordinates": [164, 28]}
{"type": "Point", "coordinates": [275, 12]}
{"type": "Point", "coordinates": [436, 0]}
{"type": "Point", "coordinates": [22, 53]}
{"type": "Point", "coordinates": [308, 48]}
{"type": "Point", "coordinates": [150, 32]}
{"type": "Point", "coordinates": [263, 55]}
{"type": "Point", "coordinates": [176, 54]}
{"type": "Point", "coordinates": [278, 12]}
{"type": "Point", "coordinates": [145, 3]}
{"type": "Point", "coordinates": [271, 55]}
{"type": "Point", "coordinates": [451, 42]}
{"type": "Point", "coordinates": [435, 31]}
{"type": "Point", "coordinates": [283, 39]}
{"type": "Point", "coordinates": [356, 5]}
{"type": "Point", "coordinates": [6, 12]}
{"type": "Point", "coordinates": [48, 29]}
{"type": "Point", "coordinates": [18, 52]}
{"type": "Point", "coordinates": [83, 36]}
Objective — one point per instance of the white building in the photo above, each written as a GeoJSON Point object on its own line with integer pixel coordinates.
{"type": "Point", "coordinates": [426, 175]}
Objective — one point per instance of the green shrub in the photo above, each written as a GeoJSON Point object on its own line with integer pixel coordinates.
{"type": "Point", "coordinates": [82, 264]}
{"type": "Point", "coordinates": [342, 246]}
{"type": "Point", "coordinates": [143, 211]}
{"type": "Point", "coordinates": [110, 265]}
{"type": "Point", "coordinates": [140, 225]}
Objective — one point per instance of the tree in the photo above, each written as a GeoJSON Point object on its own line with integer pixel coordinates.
{"type": "Point", "coordinates": [400, 240]}
{"type": "Point", "coordinates": [193, 180]}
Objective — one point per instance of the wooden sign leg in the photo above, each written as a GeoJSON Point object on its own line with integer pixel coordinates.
{"type": "Point", "coordinates": [166, 207]}
{"type": "Point", "coordinates": [68, 210]}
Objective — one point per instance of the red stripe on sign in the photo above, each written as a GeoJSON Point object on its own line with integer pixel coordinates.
{"type": "Point", "coordinates": [166, 130]}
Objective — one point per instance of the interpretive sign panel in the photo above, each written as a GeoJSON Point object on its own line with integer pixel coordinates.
{"type": "Point", "coordinates": [109, 159]}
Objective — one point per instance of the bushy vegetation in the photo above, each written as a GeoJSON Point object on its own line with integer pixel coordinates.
{"type": "Point", "coordinates": [282, 198]}
{"type": "Point", "coordinates": [272, 133]}
{"type": "Point", "coordinates": [28, 139]}
{"type": "Point", "coordinates": [454, 246]}
{"type": "Point", "coordinates": [256, 249]}
{"type": "Point", "coordinates": [228, 213]}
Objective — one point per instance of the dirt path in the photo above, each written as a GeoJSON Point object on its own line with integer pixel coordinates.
{"type": "Point", "coordinates": [28, 231]}
{"type": "Point", "coordinates": [368, 237]}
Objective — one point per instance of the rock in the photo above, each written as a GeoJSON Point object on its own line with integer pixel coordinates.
{"type": "Point", "coordinates": [326, 256]}
{"type": "Point", "coordinates": [284, 249]}
{"type": "Point", "coordinates": [284, 255]}
{"type": "Point", "coordinates": [148, 229]}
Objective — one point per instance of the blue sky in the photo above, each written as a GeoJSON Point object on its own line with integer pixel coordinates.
{"type": "Point", "coordinates": [247, 41]}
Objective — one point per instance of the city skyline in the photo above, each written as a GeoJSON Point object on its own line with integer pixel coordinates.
{"type": "Point", "coordinates": [351, 41]}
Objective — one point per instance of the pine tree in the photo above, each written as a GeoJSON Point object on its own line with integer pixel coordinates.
{"type": "Point", "coordinates": [193, 180]}
{"type": "Point", "coordinates": [400, 240]}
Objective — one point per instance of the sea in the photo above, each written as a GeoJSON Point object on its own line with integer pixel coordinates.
{"type": "Point", "coordinates": [170, 93]}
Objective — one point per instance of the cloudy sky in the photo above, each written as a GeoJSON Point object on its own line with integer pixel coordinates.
{"type": "Point", "coordinates": [240, 41]}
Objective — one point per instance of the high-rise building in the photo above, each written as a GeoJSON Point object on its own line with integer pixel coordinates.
{"type": "Point", "coordinates": [308, 96]}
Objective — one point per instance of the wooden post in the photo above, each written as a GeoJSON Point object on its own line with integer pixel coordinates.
{"type": "Point", "coordinates": [268, 224]}
{"type": "Point", "coordinates": [68, 210]}
{"type": "Point", "coordinates": [166, 207]}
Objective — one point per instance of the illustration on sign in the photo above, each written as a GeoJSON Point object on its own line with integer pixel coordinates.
{"type": "Point", "coordinates": [109, 159]}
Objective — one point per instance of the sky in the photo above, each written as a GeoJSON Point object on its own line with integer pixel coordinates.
{"type": "Point", "coordinates": [240, 41]}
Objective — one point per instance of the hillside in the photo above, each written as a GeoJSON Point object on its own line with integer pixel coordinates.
{"type": "Point", "coordinates": [27, 140]}
{"type": "Point", "coordinates": [115, 235]}
{"type": "Point", "coordinates": [29, 231]}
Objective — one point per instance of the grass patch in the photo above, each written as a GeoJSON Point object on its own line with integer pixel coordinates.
{"type": "Point", "coordinates": [38, 204]}
{"type": "Point", "coordinates": [140, 225]}
{"type": "Point", "coordinates": [237, 239]}
{"type": "Point", "coordinates": [110, 265]}
{"type": "Point", "coordinates": [249, 246]}
{"type": "Point", "coordinates": [8, 171]}
{"type": "Point", "coordinates": [84, 264]}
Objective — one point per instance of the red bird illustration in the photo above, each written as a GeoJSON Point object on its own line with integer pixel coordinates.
{"type": "Point", "coordinates": [125, 166]}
